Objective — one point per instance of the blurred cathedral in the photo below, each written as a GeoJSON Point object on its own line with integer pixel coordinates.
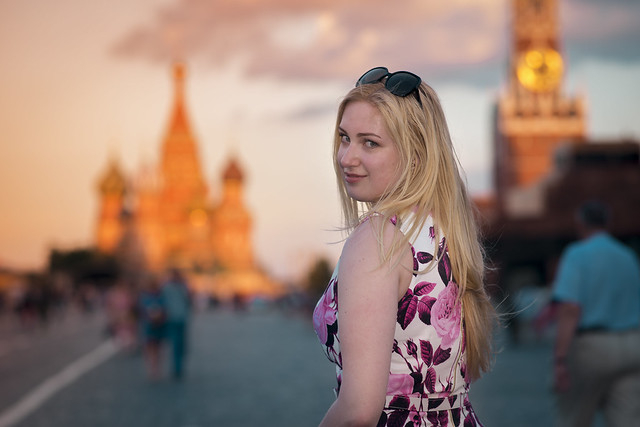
{"type": "Point", "coordinates": [545, 165]}
{"type": "Point", "coordinates": [164, 217]}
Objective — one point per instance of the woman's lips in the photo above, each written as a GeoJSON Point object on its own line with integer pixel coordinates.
{"type": "Point", "coordinates": [352, 178]}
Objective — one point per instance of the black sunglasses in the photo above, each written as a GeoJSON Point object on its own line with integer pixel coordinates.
{"type": "Point", "coordinates": [400, 83]}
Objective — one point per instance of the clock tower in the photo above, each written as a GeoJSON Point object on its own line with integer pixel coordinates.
{"type": "Point", "coordinates": [533, 116]}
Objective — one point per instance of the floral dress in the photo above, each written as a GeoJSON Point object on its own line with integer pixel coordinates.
{"type": "Point", "coordinates": [427, 383]}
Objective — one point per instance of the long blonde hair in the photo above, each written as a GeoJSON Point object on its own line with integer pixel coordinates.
{"type": "Point", "coordinates": [429, 184]}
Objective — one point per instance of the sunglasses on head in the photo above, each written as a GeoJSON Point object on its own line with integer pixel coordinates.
{"type": "Point", "coordinates": [400, 83]}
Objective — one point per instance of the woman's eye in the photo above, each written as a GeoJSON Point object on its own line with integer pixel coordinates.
{"type": "Point", "coordinates": [344, 138]}
{"type": "Point", "coordinates": [371, 144]}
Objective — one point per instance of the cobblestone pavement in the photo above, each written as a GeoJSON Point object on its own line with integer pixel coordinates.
{"type": "Point", "coordinates": [258, 368]}
{"type": "Point", "coordinates": [29, 355]}
{"type": "Point", "coordinates": [517, 392]}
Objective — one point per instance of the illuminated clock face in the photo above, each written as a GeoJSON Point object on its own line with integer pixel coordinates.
{"type": "Point", "coordinates": [540, 70]}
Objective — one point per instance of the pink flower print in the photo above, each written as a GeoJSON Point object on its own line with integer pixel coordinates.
{"type": "Point", "coordinates": [445, 315]}
{"type": "Point", "coordinates": [400, 384]}
{"type": "Point", "coordinates": [412, 348]}
{"type": "Point", "coordinates": [415, 261]}
{"type": "Point", "coordinates": [444, 264]}
{"type": "Point", "coordinates": [324, 315]}
{"type": "Point", "coordinates": [438, 418]}
{"type": "Point", "coordinates": [396, 348]}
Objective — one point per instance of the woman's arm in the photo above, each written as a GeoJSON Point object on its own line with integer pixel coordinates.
{"type": "Point", "coordinates": [367, 311]}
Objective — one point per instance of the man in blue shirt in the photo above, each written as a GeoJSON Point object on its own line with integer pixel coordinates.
{"type": "Point", "coordinates": [597, 347]}
{"type": "Point", "coordinates": [177, 299]}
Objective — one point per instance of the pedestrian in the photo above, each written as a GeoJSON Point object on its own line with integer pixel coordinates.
{"type": "Point", "coordinates": [153, 317]}
{"type": "Point", "coordinates": [405, 316]}
{"type": "Point", "coordinates": [596, 298]}
{"type": "Point", "coordinates": [120, 303]}
{"type": "Point", "coordinates": [177, 301]}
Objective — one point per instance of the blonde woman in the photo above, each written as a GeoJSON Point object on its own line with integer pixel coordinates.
{"type": "Point", "coordinates": [405, 317]}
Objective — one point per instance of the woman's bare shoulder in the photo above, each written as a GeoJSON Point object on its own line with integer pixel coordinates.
{"type": "Point", "coordinates": [366, 235]}
{"type": "Point", "coordinates": [364, 245]}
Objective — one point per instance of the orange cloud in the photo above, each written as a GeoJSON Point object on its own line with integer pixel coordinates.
{"type": "Point", "coordinates": [323, 38]}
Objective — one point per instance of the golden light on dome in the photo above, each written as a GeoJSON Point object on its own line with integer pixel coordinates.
{"type": "Point", "coordinates": [540, 70]}
{"type": "Point", "coordinates": [177, 222]}
{"type": "Point", "coordinates": [198, 217]}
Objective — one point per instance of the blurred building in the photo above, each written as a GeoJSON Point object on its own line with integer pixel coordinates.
{"type": "Point", "coordinates": [165, 216]}
{"type": "Point", "coordinates": [12, 285]}
{"type": "Point", "coordinates": [545, 165]}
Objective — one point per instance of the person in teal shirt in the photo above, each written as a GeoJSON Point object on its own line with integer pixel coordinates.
{"type": "Point", "coordinates": [597, 348]}
{"type": "Point", "coordinates": [177, 300]}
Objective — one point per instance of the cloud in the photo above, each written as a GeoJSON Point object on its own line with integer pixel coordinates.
{"type": "Point", "coordinates": [323, 38]}
{"type": "Point", "coordinates": [337, 39]}
{"type": "Point", "coordinates": [604, 29]}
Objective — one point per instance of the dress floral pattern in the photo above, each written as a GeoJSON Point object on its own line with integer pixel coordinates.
{"type": "Point", "coordinates": [427, 378]}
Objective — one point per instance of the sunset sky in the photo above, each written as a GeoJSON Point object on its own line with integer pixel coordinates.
{"type": "Point", "coordinates": [85, 81]}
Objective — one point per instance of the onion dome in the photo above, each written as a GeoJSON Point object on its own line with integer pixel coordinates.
{"type": "Point", "coordinates": [233, 172]}
{"type": "Point", "coordinates": [113, 180]}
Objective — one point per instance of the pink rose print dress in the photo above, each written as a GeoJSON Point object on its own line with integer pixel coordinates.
{"type": "Point", "coordinates": [427, 384]}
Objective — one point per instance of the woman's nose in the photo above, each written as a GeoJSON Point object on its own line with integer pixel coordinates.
{"type": "Point", "coordinates": [348, 156]}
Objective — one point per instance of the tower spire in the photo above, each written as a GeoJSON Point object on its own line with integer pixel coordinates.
{"type": "Point", "coordinates": [183, 185]}
{"type": "Point", "coordinates": [534, 116]}
{"type": "Point", "coordinates": [179, 122]}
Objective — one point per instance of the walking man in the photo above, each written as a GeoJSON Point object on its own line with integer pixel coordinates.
{"type": "Point", "coordinates": [177, 301]}
{"type": "Point", "coordinates": [597, 348]}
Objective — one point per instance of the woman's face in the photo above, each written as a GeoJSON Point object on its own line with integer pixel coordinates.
{"type": "Point", "coordinates": [367, 156]}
